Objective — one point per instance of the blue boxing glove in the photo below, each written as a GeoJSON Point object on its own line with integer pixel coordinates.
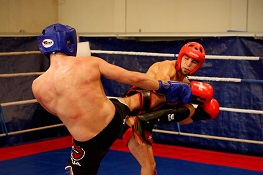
{"type": "Point", "coordinates": [175, 91]}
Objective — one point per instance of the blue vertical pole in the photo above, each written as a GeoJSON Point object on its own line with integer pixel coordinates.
{"type": "Point", "coordinates": [2, 122]}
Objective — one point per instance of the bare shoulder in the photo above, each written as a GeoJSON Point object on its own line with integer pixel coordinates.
{"type": "Point", "coordinates": [164, 63]}
{"type": "Point", "coordinates": [88, 61]}
{"type": "Point", "coordinates": [168, 63]}
{"type": "Point", "coordinates": [97, 60]}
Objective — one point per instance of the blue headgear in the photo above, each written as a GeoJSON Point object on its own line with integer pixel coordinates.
{"type": "Point", "coordinates": [58, 38]}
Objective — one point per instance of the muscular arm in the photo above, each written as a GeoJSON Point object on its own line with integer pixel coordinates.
{"type": "Point", "coordinates": [121, 75]}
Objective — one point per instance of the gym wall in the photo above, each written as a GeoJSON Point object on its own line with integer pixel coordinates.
{"type": "Point", "coordinates": [133, 16]}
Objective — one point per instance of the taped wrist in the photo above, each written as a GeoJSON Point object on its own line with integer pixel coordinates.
{"type": "Point", "coordinates": [176, 114]}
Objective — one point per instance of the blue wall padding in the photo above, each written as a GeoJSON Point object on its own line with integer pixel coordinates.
{"type": "Point", "coordinates": [242, 95]}
{"type": "Point", "coordinates": [21, 117]}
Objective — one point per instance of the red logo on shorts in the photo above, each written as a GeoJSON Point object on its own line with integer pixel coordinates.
{"type": "Point", "coordinates": [77, 153]}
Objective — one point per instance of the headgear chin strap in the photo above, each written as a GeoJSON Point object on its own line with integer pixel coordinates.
{"type": "Point", "coordinates": [193, 50]}
{"type": "Point", "coordinates": [58, 38]}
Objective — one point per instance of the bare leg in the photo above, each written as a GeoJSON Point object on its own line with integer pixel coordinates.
{"type": "Point", "coordinates": [143, 153]}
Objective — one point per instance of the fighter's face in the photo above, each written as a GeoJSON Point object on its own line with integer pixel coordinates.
{"type": "Point", "coordinates": [188, 64]}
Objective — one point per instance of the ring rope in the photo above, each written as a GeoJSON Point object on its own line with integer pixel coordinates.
{"type": "Point", "coordinates": [134, 53]}
{"type": "Point", "coordinates": [237, 80]}
{"type": "Point", "coordinates": [238, 110]}
{"type": "Point", "coordinates": [221, 108]}
{"type": "Point", "coordinates": [242, 110]}
{"type": "Point", "coordinates": [208, 136]}
{"type": "Point", "coordinates": [154, 130]}
{"type": "Point", "coordinates": [20, 74]}
{"type": "Point", "coordinates": [219, 57]}
{"type": "Point", "coordinates": [19, 53]}
{"type": "Point", "coordinates": [19, 102]}
{"type": "Point", "coordinates": [30, 130]}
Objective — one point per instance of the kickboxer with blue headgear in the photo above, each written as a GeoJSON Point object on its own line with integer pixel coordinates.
{"type": "Point", "coordinates": [71, 89]}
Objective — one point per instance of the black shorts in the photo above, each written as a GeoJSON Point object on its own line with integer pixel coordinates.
{"type": "Point", "coordinates": [86, 156]}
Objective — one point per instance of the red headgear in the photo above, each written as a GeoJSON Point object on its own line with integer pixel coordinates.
{"type": "Point", "coordinates": [193, 50]}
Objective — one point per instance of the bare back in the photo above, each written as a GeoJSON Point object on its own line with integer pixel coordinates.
{"type": "Point", "coordinates": [71, 89]}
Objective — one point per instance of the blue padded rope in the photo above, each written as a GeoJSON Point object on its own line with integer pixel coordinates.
{"type": "Point", "coordinates": [178, 127]}
{"type": "Point", "coordinates": [251, 81]}
{"type": "Point", "coordinates": [2, 122]}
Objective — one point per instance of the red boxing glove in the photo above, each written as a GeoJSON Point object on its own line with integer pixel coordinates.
{"type": "Point", "coordinates": [206, 111]}
{"type": "Point", "coordinates": [201, 92]}
{"type": "Point", "coordinates": [212, 108]}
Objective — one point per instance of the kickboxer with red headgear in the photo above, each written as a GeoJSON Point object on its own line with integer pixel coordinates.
{"type": "Point", "coordinates": [190, 59]}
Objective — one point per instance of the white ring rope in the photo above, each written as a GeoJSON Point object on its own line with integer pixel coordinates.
{"type": "Point", "coordinates": [221, 108]}
{"type": "Point", "coordinates": [215, 79]}
{"type": "Point", "coordinates": [236, 80]}
{"type": "Point", "coordinates": [250, 111]}
{"type": "Point", "coordinates": [154, 130]}
{"type": "Point", "coordinates": [209, 136]}
{"type": "Point", "coordinates": [19, 53]}
{"type": "Point", "coordinates": [20, 74]}
{"type": "Point", "coordinates": [19, 102]}
{"type": "Point", "coordinates": [219, 57]}
{"type": "Point", "coordinates": [134, 53]}
{"type": "Point", "coordinates": [152, 54]}
{"type": "Point", "coordinates": [33, 129]}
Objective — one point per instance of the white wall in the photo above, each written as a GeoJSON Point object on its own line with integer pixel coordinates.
{"type": "Point", "coordinates": [129, 16]}
{"type": "Point", "coordinates": [93, 15]}
{"type": "Point", "coordinates": [133, 16]}
{"type": "Point", "coordinates": [255, 16]}
{"type": "Point", "coordinates": [178, 15]}
{"type": "Point", "coordinates": [27, 16]}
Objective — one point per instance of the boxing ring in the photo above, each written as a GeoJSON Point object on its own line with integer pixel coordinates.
{"type": "Point", "coordinates": [237, 129]}
{"type": "Point", "coordinates": [162, 134]}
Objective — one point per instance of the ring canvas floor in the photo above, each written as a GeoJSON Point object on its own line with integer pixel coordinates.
{"type": "Point", "coordinates": [50, 156]}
